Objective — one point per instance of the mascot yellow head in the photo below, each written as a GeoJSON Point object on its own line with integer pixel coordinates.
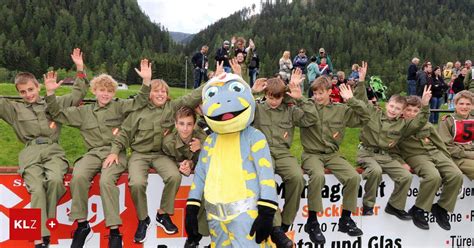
{"type": "Point", "coordinates": [227, 103]}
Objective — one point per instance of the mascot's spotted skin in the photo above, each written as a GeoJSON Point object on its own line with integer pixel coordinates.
{"type": "Point", "coordinates": [234, 166]}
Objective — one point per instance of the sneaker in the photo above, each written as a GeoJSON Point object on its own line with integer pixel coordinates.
{"type": "Point", "coordinates": [191, 244]}
{"type": "Point", "coordinates": [115, 241]}
{"type": "Point", "coordinates": [401, 214]}
{"type": "Point", "coordinates": [418, 217]}
{"type": "Point", "coordinates": [140, 234]}
{"type": "Point", "coordinates": [81, 236]}
{"type": "Point", "coordinates": [280, 239]}
{"type": "Point", "coordinates": [367, 211]}
{"type": "Point", "coordinates": [441, 216]}
{"type": "Point", "coordinates": [164, 221]}
{"type": "Point", "coordinates": [347, 225]}
{"type": "Point", "coordinates": [314, 232]}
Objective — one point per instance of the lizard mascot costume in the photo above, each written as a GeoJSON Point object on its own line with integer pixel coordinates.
{"type": "Point", "coordinates": [234, 177]}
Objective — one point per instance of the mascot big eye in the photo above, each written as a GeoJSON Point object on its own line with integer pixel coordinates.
{"type": "Point", "coordinates": [234, 178]}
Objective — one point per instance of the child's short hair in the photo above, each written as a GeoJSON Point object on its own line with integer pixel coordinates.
{"type": "Point", "coordinates": [321, 83]}
{"type": "Point", "coordinates": [449, 65]}
{"type": "Point", "coordinates": [414, 101]}
{"type": "Point", "coordinates": [399, 99]}
{"type": "Point", "coordinates": [160, 83]}
{"type": "Point", "coordinates": [25, 77]}
{"type": "Point", "coordinates": [185, 112]}
{"type": "Point", "coordinates": [104, 80]}
{"type": "Point", "coordinates": [275, 87]}
{"type": "Point", "coordinates": [463, 94]}
{"type": "Point", "coordinates": [355, 67]}
{"type": "Point", "coordinates": [341, 73]}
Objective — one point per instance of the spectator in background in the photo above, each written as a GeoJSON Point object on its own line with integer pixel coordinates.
{"type": "Point", "coordinates": [457, 68]}
{"type": "Point", "coordinates": [324, 68]}
{"type": "Point", "coordinates": [285, 66]}
{"type": "Point", "coordinates": [341, 78]}
{"type": "Point", "coordinates": [468, 64]}
{"type": "Point", "coordinates": [323, 54]}
{"type": "Point", "coordinates": [222, 55]}
{"type": "Point", "coordinates": [423, 78]}
{"type": "Point", "coordinates": [438, 88]}
{"type": "Point", "coordinates": [335, 91]}
{"type": "Point", "coordinates": [254, 66]}
{"type": "Point", "coordinates": [447, 73]}
{"type": "Point", "coordinates": [200, 63]}
{"type": "Point", "coordinates": [411, 76]}
{"type": "Point", "coordinates": [238, 46]}
{"type": "Point", "coordinates": [300, 61]}
{"type": "Point", "coordinates": [313, 73]}
{"type": "Point", "coordinates": [355, 72]}
{"type": "Point", "coordinates": [451, 92]}
{"type": "Point", "coordinates": [458, 83]}
{"type": "Point", "coordinates": [469, 78]}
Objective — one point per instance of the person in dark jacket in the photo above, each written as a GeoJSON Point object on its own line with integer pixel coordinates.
{"type": "Point", "coordinates": [200, 63]}
{"type": "Point", "coordinates": [254, 66]}
{"type": "Point", "coordinates": [458, 83]}
{"type": "Point", "coordinates": [222, 56]}
{"type": "Point", "coordinates": [438, 88]}
{"type": "Point", "coordinates": [411, 76]}
{"type": "Point", "coordinates": [423, 78]}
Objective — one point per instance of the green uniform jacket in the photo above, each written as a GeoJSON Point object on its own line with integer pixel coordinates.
{"type": "Point", "coordinates": [174, 147]}
{"type": "Point", "coordinates": [143, 130]}
{"type": "Point", "coordinates": [380, 132]}
{"type": "Point", "coordinates": [30, 121]}
{"type": "Point", "coordinates": [98, 125]}
{"type": "Point", "coordinates": [331, 122]}
{"type": "Point", "coordinates": [424, 141]}
{"type": "Point", "coordinates": [446, 131]}
{"type": "Point", "coordinates": [278, 124]}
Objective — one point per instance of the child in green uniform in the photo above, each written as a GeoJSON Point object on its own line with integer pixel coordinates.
{"type": "Point", "coordinates": [99, 123]}
{"type": "Point", "coordinates": [427, 155]}
{"type": "Point", "coordinates": [277, 121]}
{"type": "Point", "coordinates": [457, 131]}
{"type": "Point", "coordinates": [383, 131]}
{"type": "Point", "coordinates": [143, 131]}
{"type": "Point", "coordinates": [321, 150]}
{"type": "Point", "coordinates": [42, 162]}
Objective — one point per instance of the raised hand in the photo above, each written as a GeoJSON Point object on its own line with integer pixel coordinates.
{"type": "Point", "coordinates": [259, 85]}
{"type": "Point", "coordinates": [425, 99]}
{"type": "Point", "coordinates": [235, 67]}
{"type": "Point", "coordinates": [233, 40]}
{"type": "Point", "coordinates": [251, 44]}
{"type": "Point", "coordinates": [195, 145]}
{"type": "Point", "coordinates": [145, 71]}
{"type": "Point", "coordinates": [50, 83]}
{"type": "Point", "coordinates": [297, 76]}
{"type": "Point", "coordinates": [219, 68]}
{"type": "Point", "coordinates": [110, 160]}
{"type": "Point", "coordinates": [363, 71]}
{"type": "Point", "coordinates": [345, 91]}
{"type": "Point", "coordinates": [76, 57]}
{"type": "Point", "coordinates": [295, 90]}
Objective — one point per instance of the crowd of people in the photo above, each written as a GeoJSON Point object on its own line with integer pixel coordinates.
{"type": "Point", "coordinates": [162, 133]}
{"type": "Point", "coordinates": [446, 80]}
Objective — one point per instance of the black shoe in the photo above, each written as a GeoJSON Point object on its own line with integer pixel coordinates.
{"type": "Point", "coordinates": [401, 214]}
{"type": "Point", "coordinates": [347, 225]}
{"type": "Point", "coordinates": [164, 221]}
{"type": "Point", "coordinates": [81, 236]}
{"type": "Point", "coordinates": [115, 241]}
{"type": "Point", "coordinates": [280, 239]}
{"type": "Point", "coordinates": [46, 240]}
{"type": "Point", "coordinates": [315, 234]}
{"type": "Point", "coordinates": [42, 245]}
{"type": "Point", "coordinates": [140, 234]}
{"type": "Point", "coordinates": [191, 244]}
{"type": "Point", "coordinates": [441, 216]}
{"type": "Point", "coordinates": [418, 217]}
{"type": "Point", "coordinates": [367, 211]}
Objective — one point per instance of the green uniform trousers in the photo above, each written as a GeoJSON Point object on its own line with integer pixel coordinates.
{"type": "Point", "coordinates": [435, 170]}
{"type": "Point", "coordinates": [42, 167]}
{"type": "Point", "coordinates": [314, 164]}
{"type": "Point", "coordinates": [85, 169]}
{"type": "Point", "coordinates": [466, 166]}
{"type": "Point", "coordinates": [292, 176]}
{"type": "Point", "coordinates": [376, 163]}
{"type": "Point", "coordinates": [138, 166]}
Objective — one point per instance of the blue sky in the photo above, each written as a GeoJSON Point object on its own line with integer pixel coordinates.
{"type": "Point", "coordinates": [191, 16]}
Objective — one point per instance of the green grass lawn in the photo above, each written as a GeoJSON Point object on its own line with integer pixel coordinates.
{"type": "Point", "coordinates": [72, 142]}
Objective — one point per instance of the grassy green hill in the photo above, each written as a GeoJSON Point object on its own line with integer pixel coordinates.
{"type": "Point", "coordinates": [72, 142]}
